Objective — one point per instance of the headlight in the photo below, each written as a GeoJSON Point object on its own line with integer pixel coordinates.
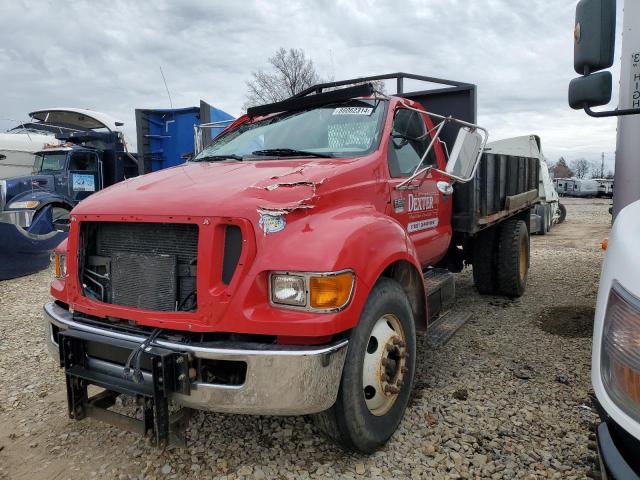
{"type": "Point", "coordinates": [59, 265]}
{"type": "Point", "coordinates": [29, 204]}
{"type": "Point", "coordinates": [620, 350]}
{"type": "Point", "coordinates": [323, 292]}
{"type": "Point", "coordinates": [288, 290]}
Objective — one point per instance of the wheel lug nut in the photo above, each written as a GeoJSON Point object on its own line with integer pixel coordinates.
{"type": "Point", "coordinates": [391, 389]}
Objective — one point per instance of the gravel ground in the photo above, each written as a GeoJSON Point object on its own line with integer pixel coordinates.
{"type": "Point", "coordinates": [507, 397]}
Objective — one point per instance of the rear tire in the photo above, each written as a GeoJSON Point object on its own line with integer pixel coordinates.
{"type": "Point", "coordinates": [513, 258]}
{"type": "Point", "coordinates": [484, 262]}
{"type": "Point", "coordinates": [563, 212]}
{"type": "Point", "coordinates": [365, 414]}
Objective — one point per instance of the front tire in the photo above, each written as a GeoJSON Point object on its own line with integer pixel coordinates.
{"type": "Point", "coordinates": [378, 372]}
{"type": "Point", "coordinates": [563, 213]}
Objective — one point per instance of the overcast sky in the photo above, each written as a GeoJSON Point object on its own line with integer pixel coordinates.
{"type": "Point", "coordinates": [106, 56]}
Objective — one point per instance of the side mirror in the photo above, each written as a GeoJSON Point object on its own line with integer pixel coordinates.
{"type": "Point", "coordinates": [464, 154]}
{"type": "Point", "coordinates": [593, 49]}
{"type": "Point", "coordinates": [594, 35]}
{"type": "Point", "coordinates": [591, 90]}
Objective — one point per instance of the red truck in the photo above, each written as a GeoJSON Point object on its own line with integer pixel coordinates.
{"type": "Point", "coordinates": [282, 271]}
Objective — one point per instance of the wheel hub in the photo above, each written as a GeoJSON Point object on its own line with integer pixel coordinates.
{"type": "Point", "coordinates": [523, 259]}
{"type": "Point", "coordinates": [385, 365]}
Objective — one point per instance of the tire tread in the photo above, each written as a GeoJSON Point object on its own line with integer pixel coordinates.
{"type": "Point", "coordinates": [509, 257]}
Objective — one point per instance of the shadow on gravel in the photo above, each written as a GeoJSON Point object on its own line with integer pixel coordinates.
{"type": "Point", "coordinates": [567, 320]}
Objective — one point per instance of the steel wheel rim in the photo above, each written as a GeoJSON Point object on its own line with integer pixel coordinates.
{"type": "Point", "coordinates": [385, 365]}
{"type": "Point", "coordinates": [523, 259]}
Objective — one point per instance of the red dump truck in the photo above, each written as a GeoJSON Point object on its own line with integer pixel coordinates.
{"type": "Point", "coordinates": [288, 267]}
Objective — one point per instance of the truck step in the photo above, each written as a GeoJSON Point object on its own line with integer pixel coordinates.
{"type": "Point", "coordinates": [441, 291]}
{"type": "Point", "coordinates": [441, 331]}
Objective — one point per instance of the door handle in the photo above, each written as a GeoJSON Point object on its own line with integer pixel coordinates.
{"type": "Point", "coordinates": [445, 188]}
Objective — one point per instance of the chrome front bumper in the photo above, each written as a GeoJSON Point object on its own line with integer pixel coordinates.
{"type": "Point", "coordinates": [280, 380]}
{"type": "Point", "coordinates": [20, 218]}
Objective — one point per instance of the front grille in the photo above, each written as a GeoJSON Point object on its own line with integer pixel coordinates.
{"type": "Point", "coordinates": [147, 281]}
{"type": "Point", "coordinates": [144, 265]}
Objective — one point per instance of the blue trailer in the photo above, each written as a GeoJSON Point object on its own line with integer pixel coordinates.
{"type": "Point", "coordinates": [169, 137]}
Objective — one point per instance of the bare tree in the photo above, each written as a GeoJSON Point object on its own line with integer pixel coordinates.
{"type": "Point", "coordinates": [291, 72]}
{"type": "Point", "coordinates": [581, 167]}
{"type": "Point", "coordinates": [609, 174]}
{"type": "Point", "coordinates": [561, 169]}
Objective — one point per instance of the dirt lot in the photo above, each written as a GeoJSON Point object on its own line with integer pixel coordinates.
{"type": "Point", "coordinates": [506, 397]}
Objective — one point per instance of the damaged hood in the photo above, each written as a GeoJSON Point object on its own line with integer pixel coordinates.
{"type": "Point", "coordinates": [241, 189]}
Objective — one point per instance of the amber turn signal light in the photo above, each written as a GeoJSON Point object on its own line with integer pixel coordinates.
{"type": "Point", "coordinates": [332, 291]}
{"type": "Point", "coordinates": [604, 244]}
{"type": "Point", "coordinates": [59, 265]}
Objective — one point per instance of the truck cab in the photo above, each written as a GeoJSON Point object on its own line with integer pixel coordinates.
{"type": "Point", "coordinates": [296, 259]}
{"type": "Point", "coordinates": [89, 154]}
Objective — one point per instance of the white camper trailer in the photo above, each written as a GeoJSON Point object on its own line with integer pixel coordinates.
{"type": "Point", "coordinates": [576, 187]}
{"type": "Point", "coordinates": [562, 184]}
{"type": "Point", "coordinates": [583, 187]}
{"type": "Point", "coordinates": [605, 187]}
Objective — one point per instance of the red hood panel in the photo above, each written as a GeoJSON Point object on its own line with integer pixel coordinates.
{"type": "Point", "coordinates": [217, 189]}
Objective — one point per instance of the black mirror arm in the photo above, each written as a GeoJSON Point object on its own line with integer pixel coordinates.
{"type": "Point", "coordinates": [611, 113]}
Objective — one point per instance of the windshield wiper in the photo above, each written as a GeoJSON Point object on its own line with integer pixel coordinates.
{"type": "Point", "coordinates": [216, 158]}
{"type": "Point", "coordinates": [290, 152]}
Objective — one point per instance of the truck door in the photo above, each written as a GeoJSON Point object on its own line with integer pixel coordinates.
{"type": "Point", "coordinates": [424, 210]}
{"type": "Point", "coordinates": [84, 175]}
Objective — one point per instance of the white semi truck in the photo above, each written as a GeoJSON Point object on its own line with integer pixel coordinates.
{"type": "Point", "coordinates": [615, 367]}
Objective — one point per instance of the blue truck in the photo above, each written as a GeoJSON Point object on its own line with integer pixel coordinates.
{"type": "Point", "coordinates": [34, 209]}
{"type": "Point", "coordinates": [91, 154]}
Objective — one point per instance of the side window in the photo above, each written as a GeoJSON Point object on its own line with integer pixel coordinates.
{"type": "Point", "coordinates": [84, 162]}
{"type": "Point", "coordinates": [409, 141]}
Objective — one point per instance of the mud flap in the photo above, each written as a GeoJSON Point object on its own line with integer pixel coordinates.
{"type": "Point", "coordinates": [164, 372]}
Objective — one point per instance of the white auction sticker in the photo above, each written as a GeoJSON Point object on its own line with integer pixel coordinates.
{"type": "Point", "coordinates": [353, 111]}
{"type": "Point", "coordinates": [422, 225]}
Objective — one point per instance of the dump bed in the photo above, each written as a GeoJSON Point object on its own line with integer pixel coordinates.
{"type": "Point", "coordinates": [504, 185]}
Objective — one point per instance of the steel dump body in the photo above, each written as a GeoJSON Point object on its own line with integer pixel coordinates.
{"type": "Point", "coordinates": [504, 185]}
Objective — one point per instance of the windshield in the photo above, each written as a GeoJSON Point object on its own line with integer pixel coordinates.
{"type": "Point", "coordinates": [346, 129]}
{"type": "Point", "coordinates": [50, 162]}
